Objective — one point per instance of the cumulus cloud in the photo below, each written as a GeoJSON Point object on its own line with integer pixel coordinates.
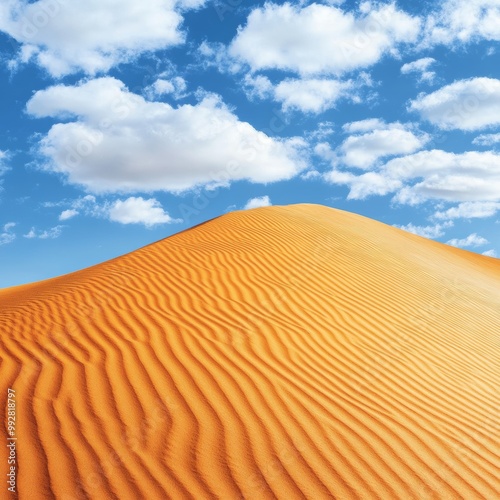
{"type": "Point", "coordinates": [435, 174]}
{"type": "Point", "coordinates": [470, 210]}
{"type": "Point", "coordinates": [463, 21]}
{"type": "Point", "coordinates": [262, 201]}
{"type": "Point", "coordinates": [321, 39]}
{"type": "Point", "coordinates": [470, 104]}
{"type": "Point", "coordinates": [133, 210]}
{"type": "Point", "coordinates": [371, 140]}
{"type": "Point", "coordinates": [176, 87]}
{"type": "Point", "coordinates": [7, 235]}
{"type": "Point", "coordinates": [66, 36]}
{"type": "Point", "coordinates": [470, 176]}
{"type": "Point", "coordinates": [486, 139]}
{"type": "Point", "coordinates": [52, 233]}
{"type": "Point", "coordinates": [310, 95]}
{"type": "Point", "coordinates": [427, 231]}
{"type": "Point", "coordinates": [365, 185]}
{"type": "Point", "coordinates": [421, 68]}
{"type": "Point", "coordinates": [139, 211]}
{"type": "Point", "coordinates": [473, 240]}
{"type": "Point", "coordinates": [363, 150]}
{"type": "Point", "coordinates": [119, 142]}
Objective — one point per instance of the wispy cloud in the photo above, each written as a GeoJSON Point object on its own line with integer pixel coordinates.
{"type": "Point", "coordinates": [487, 139]}
{"type": "Point", "coordinates": [7, 235]}
{"type": "Point", "coordinates": [470, 210]}
{"type": "Point", "coordinates": [68, 214]}
{"type": "Point", "coordinates": [434, 231]}
{"type": "Point", "coordinates": [44, 234]}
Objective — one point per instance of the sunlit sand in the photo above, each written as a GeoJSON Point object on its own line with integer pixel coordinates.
{"type": "Point", "coordinates": [282, 352]}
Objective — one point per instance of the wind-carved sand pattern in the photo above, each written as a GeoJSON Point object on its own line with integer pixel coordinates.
{"type": "Point", "coordinates": [283, 352]}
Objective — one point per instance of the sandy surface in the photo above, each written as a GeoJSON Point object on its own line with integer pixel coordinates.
{"type": "Point", "coordinates": [283, 352]}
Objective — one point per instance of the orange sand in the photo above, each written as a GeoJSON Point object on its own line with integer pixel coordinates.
{"type": "Point", "coordinates": [283, 352]}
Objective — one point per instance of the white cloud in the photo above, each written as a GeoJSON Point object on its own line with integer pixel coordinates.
{"type": "Point", "coordinates": [31, 234]}
{"type": "Point", "coordinates": [470, 176]}
{"type": "Point", "coordinates": [87, 205]}
{"type": "Point", "coordinates": [466, 104]}
{"type": "Point", "coordinates": [190, 4]}
{"type": "Point", "coordinates": [66, 36]}
{"type": "Point", "coordinates": [365, 185]}
{"type": "Point", "coordinates": [133, 210]}
{"type": "Point", "coordinates": [436, 174]}
{"type": "Point", "coordinates": [325, 152]}
{"type": "Point", "coordinates": [421, 67]}
{"type": "Point", "coordinates": [310, 95]}
{"type": "Point", "coordinates": [175, 86]}
{"type": "Point", "coordinates": [486, 139]}
{"type": "Point", "coordinates": [371, 140]}
{"type": "Point", "coordinates": [7, 236]}
{"type": "Point", "coordinates": [390, 139]}
{"type": "Point", "coordinates": [320, 39]}
{"type": "Point", "coordinates": [364, 126]}
{"type": "Point", "coordinates": [463, 21]}
{"type": "Point", "coordinates": [427, 231]}
{"type": "Point", "coordinates": [473, 240]}
{"type": "Point", "coordinates": [216, 54]}
{"type": "Point", "coordinates": [138, 211]}
{"type": "Point", "coordinates": [470, 210]}
{"type": "Point", "coordinates": [52, 233]}
{"type": "Point", "coordinates": [120, 142]}
{"type": "Point", "coordinates": [321, 132]}
{"type": "Point", "coordinates": [4, 156]}
{"type": "Point", "coordinates": [68, 214]}
{"type": "Point", "coordinates": [311, 175]}
{"type": "Point", "coordinates": [490, 253]}
{"type": "Point", "coordinates": [262, 201]}
{"type": "Point", "coordinates": [258, 86]}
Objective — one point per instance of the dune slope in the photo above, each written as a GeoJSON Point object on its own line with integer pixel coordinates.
{"type": "Point", "coordinates": [283, 352]}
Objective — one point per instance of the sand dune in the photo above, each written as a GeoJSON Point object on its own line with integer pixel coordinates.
{"type": "Point", "coordinates": [283, 352]}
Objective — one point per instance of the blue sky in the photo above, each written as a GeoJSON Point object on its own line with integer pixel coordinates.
{"type": "Point", "coordinates": [121, 126]}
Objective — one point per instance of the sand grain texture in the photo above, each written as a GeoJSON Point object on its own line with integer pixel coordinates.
{"type": "Point", "coordinates": [283, 352]}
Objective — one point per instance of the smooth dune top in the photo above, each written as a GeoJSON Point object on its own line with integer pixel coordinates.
{"type": "Point", "coordinates": [282, 352]}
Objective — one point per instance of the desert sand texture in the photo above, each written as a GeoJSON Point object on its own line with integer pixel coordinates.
{"type": "Point", "coordinates": [282, 352]}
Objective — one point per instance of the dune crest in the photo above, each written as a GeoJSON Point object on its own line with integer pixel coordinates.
{"type": "Point", "coordinates": [282, 352]}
